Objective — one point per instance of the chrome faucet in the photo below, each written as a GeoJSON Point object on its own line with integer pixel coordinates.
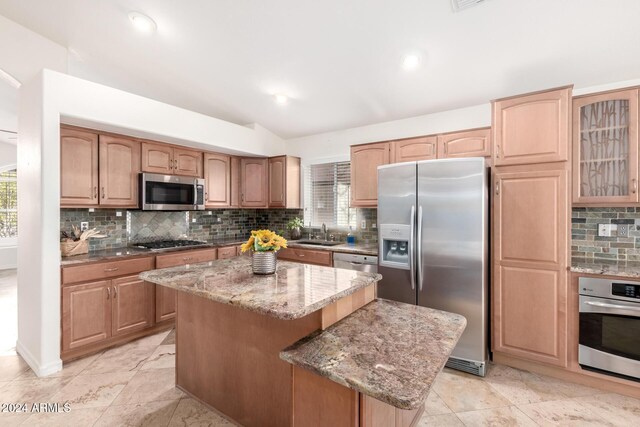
{"type": "Point", "coordinates": [324, 231]}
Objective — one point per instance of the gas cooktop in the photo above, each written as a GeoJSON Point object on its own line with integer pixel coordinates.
{"type": "Point", "coordinates": [163, 245]}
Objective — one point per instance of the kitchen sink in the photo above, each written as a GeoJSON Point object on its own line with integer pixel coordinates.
{"type": "Point", "coordinates": [317, 242]}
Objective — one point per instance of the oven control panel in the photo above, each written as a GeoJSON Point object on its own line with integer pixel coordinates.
{"type": "Point", "coordinates": [625, 290]}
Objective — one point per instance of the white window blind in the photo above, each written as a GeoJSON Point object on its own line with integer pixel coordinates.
{"type": "Point", "coordinates": [8, 204]}
{"type": "Point", "coordinates": [326, 195]}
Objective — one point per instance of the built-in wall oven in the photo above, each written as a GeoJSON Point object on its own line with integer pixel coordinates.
{"type": "Point", "coordinates": [171, 193]}
{"type": "Point", "coordinates": [610, 326]}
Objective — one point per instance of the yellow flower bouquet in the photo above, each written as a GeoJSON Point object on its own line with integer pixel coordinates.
{"type": "Point", "coordinates": [264, 244]}
{"type": "Point", "coordinates": [263, 241]}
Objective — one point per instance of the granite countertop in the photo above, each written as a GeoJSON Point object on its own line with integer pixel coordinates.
{"type": "Point", "coordinates": [134, 252]}
{"type": "Point", "coordinates": [388, 350]}
{"type": "Point", "coordinates": [356, 249]}
{"type": "Point", "coordinates": [604, 267]}
{"type": "Point", "coordinates": [293, 292]}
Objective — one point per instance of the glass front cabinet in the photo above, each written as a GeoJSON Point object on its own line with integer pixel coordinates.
{"type": "Point", "coordinates": [605, 148]}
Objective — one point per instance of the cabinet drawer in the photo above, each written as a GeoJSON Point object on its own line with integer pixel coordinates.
{"type": "Point", "coordinates": [106, 270]}
{"type": "Point", "coordinates": [227, 252]}
{"type": "Point", "coordinates": [306, 256]}
{"type": "Point", "coordinates": [185, 257]}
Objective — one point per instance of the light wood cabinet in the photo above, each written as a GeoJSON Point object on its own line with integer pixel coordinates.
{"type": "Point", "coordinates": [78, 168]}
{"type": "Point", "coordinates": [86, 314]}
{"type": "Point", "coordinates": [532, 128]}
{"type": "Point", "coordinates": [104, 304]}
{"type": "Point", "coordinates": [169, 160]}
{"type": "Point", "coordinates": [531, 223]}
{"type": "Point", "coordinates": [226, 252]}
{"type": "Point", "coordinates": [470, 143]}
{"type": "Point", "coordinates": [187, 162]}
{"type": "Point", "coordinates": [254, 177]}
{"type": "Point", "coordinates": [119, 166]}
{"type": "Point", "coordinates": [157, 158]}
{"type": "Point", "coordinates": [414, 149]}
{"type": "Point", "coordinates": [365, 160]}
{"type": "Point", "coordinates": [306, 256]}
{"type": "Point", "coordinates": [284, 182]}
{"type": "Point", "coordinates": [166, 297]}
{"type": "Point", "coordinates": [217, 176]}
{"type": "Point", "coordinates": [605, 148]}
{"type": "Point", "coordinates": [235, 182]}
{"type": "Point", "coordinates": [132, 305]}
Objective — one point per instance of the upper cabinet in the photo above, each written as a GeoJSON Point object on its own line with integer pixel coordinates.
{"type": "Point", "coordinates": [254, 176]}
{"type": "Point", "coordinates": [119, 167]}
{"type": "Point", "coordinates": [235, 182]}
{"type": "Point", "coordinates": [413, 149]}
{"type": "Point", "coordinates": [532, 128]}
{"type": "Point", "coordinates": [365, 160]}
{"type": "Point", "coordinates": [98, 170]}
{"type": "Point", "coordinates": [78, 168]}
{"type": "Point", "coordinates": [605, 148]}
{"type": "Point", "coordinates": [217, 176]}
{"type": "Point", "coordinates": [470, 143]}
{"type": "Point", "coordinates": [170, 160]}
{"type": "Point", "coordinates": [284, 182]}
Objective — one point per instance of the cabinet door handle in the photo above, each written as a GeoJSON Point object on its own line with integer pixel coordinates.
{"type": "Point", "coordinates": [188, 258]}
{"type": "Point", "coordinates": [635, 185]}
{"type": "Point", "coordinates": [109, 270]}
{"type": "Point", "coordinates": [95, 192]}
{"type": "Point", "coordinates": [498, 149]}
{"type": "Point", "coordinates": [108, 293]}
{"type": "Point", "coordinates": [301, 255]}
{"type": "Point", "coordinates": [103, 194]}
{"type": "Point", "coordinates": [115, 292]}
{"type": "Point", "coordinates": [497, 188]}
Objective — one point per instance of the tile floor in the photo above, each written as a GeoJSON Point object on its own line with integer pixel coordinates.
{"type": "Point", "coordinates": [133, 385]}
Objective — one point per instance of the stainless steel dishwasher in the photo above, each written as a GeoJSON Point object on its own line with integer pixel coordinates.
{"type": "Point", "coordinates": [366, 263]}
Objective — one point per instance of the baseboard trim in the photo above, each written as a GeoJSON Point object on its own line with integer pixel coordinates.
{"type": "Point", "coordinates": [39, 370]}
{"type": "Point", "coordinates": [9, 267]}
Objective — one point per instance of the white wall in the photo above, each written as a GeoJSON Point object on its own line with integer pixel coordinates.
{"type": "Point", "coordinates": [334, 146]}
{"type": "Point", "coordinates": [8, 155]}
{"type": "Point", "coordinates": [43, 102]}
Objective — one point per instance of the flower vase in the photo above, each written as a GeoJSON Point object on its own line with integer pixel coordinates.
{"type": "Point", "coordinates": [264, 262]}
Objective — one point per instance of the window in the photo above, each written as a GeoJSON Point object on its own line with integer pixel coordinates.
{"type": "Point", "coordinates": [8, 204]}
{"type": "Point", "coordinates": [326, 195]}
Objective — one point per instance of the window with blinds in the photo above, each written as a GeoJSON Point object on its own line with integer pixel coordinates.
{"type": "Point", "coordinates": [326, 195]}
{"type": "Point", "coordinates": [8, 204]}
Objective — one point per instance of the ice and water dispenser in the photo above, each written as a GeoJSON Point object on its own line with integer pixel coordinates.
{"type": "Point", "coordinates": [395, 246]}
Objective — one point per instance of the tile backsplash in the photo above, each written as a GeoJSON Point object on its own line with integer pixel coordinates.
{"type": "Point", "coordinates": [219, 224]}
{"type": "Point", "coordinates": [585, 242]}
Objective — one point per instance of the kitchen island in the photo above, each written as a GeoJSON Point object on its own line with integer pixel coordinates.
{"type": "Point", "coordinates": [231, 326]}
{"type": "Point", "coordinates": [272, 351]}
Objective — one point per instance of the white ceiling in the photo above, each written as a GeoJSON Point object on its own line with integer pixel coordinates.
{"type": "Point", "coordinates": [338, 60]}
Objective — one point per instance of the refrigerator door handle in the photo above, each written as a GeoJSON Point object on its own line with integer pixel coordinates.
{"type": "Point", "coordinates": [419, 244]}
{"type": "Point", "coordinates": [412, 257]}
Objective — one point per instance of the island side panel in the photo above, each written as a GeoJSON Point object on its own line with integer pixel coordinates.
{"type": "Point", "coordinates": [229, 359]}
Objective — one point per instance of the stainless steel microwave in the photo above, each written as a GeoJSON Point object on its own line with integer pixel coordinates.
{"type": "Point", "coordinates": [171, 193]}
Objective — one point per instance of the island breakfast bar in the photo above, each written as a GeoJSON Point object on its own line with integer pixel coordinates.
{"type": "Point", "coordinates": [231, 326]}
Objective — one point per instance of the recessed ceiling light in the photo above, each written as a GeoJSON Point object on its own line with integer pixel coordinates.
{"type": "Point", "coordinates": [410, 62]}
{"type": "Point", "coordinates": [10, 79]}
{"type": "Point", "coordinates": [142, 22]}
{"type": "Point", "coordinates": [280, 98]}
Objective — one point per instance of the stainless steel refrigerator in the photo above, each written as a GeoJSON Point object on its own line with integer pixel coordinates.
{"type": "Point", "coordinates": [433, 224]}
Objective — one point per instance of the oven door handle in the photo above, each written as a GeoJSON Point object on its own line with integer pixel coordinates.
{"type": "Point", "coordinates": [615, 306]}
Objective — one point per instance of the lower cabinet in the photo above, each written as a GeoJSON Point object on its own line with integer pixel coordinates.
{"type": "Point", "coordinates": [132, 305]}
{"type": "Point", "coordinates": [95, 311]}
{"type": "Point", "coordinates": [86, 314]}
{"type": "Point", "coordinates": [306, 256]}
{"type": "Point", "coordinates": [165, 303]}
